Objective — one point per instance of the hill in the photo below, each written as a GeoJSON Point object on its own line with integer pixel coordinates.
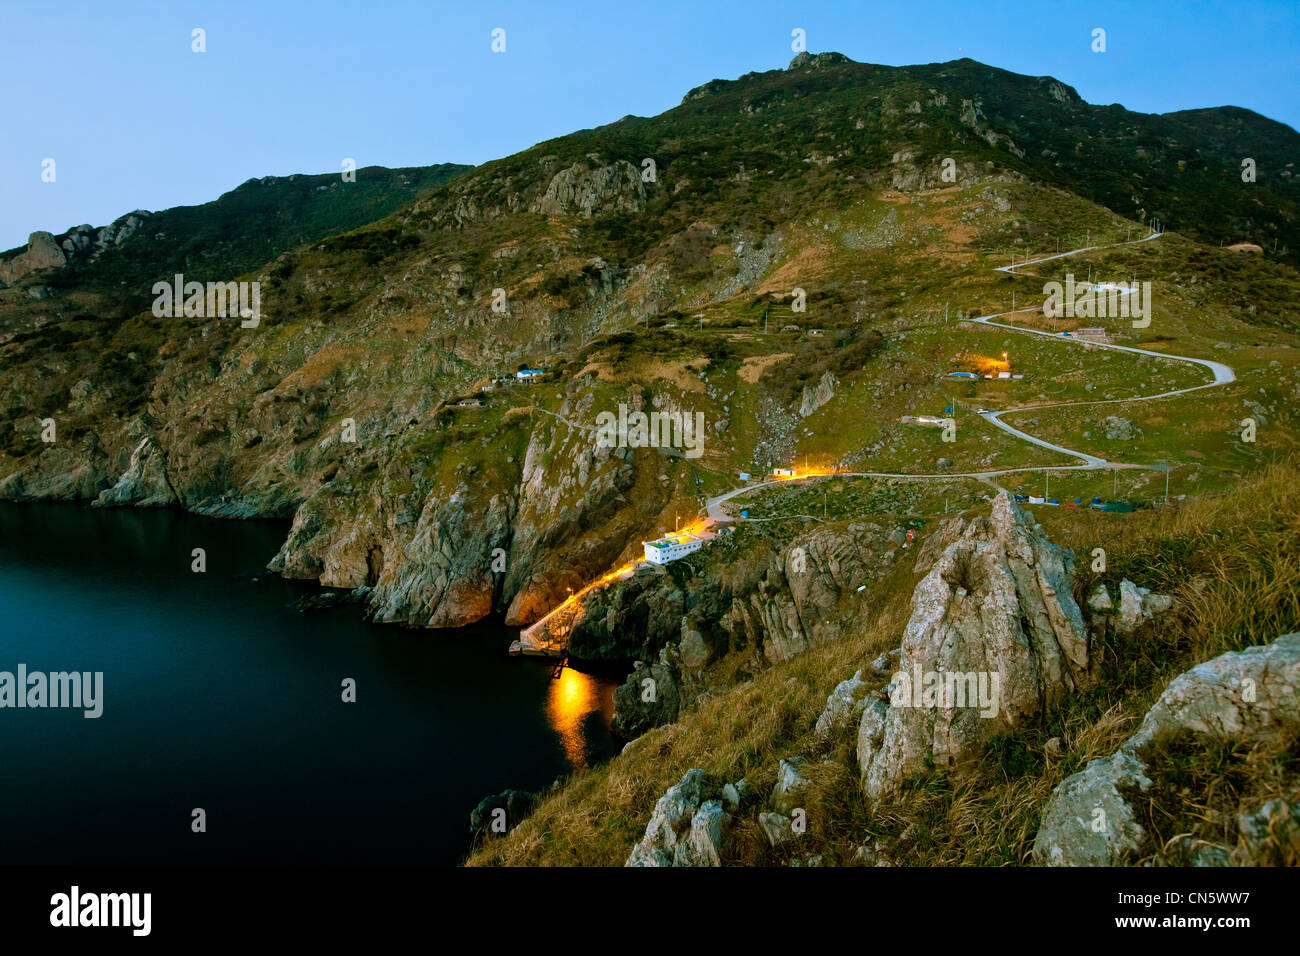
{"type": "Point", "coordinates": [797, 256]}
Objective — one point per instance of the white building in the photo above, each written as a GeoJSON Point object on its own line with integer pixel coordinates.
{"type": "Point", "coordinates": [671, 547]}
{"type": "Point", "coordinates": [528, 374]}
{"type": "Point", "coordinates": [783, 472]}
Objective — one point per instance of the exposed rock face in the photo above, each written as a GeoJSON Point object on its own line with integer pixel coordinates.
{"type": "Point", "coordinates": [816, 61]}
{"type": "Point", "coordinates": [498, 535]}
{"type": "Point", "coordinates": [815, 398]}
{"type": "Point", "coordinates": [586, 191]}
{"type": "Point", "coordinates": [144, 483]}
{"type": "Point", "coordinates": [648, 698]}
{"type": "Point", "coordinates": [685, 829]}
{"type": "Point", "coordinates": [42, 253]}
{"type": "Point", "coordinates": [995, 615]}
{"type": "Point", "coordinates": [811, 597]}
{"type": "Point", "coordinates": [432, 578]}
{"type": "Point", "coordinates": [575, 511]}
{"type": "Point", "coordinates": [1247, 695]}
{"type": "Point", "coordinates": [62, 472]}
{"type": "Point", "coordinates": [844, 708]}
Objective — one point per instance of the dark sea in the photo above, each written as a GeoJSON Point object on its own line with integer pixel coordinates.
{"type": "Point", "coordinates": [218, 693]}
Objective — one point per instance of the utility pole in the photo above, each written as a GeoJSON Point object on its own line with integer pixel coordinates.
{"type": "Point", "coordinates": [1047, 484]}
{"type": "Point", "coordinates": [1114, 483]}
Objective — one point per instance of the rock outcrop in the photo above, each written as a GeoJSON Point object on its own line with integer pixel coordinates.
{"type": "Point", "coordinates": [1120, 429]}
{"type": "Point", "coordinates": [843, 710]}
{"type": "Point", "coordinates": [994, 637]}
{"type": "Point", "coordinates": [501, 812]}
{"type": "Point", "coordinates": [1245, 695]}
{"type": "Point", "coordinates": [47, 251]}
{"type": "Point", "coordinates": [811, 596]}
{"type": "Point", "coordinates": [144, 483]}
{"type": "Point", "coordinates": [808, 594]}
{"type": "Point", "coordinates": [648, 698]}
{"type": "Point", "coordinates": [1138, 605]}
{"type": "Point", "coordinates": [42, 252]}
{"type": "Point", "coordinates": [687, 827]}
{"type": "Point", "coordinates": [815, 398]}
{"type": "Point", "coordinates": [584, 190]}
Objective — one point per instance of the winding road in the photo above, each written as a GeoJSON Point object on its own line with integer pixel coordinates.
{"type": "Point", "coordinates": [1223, 375]}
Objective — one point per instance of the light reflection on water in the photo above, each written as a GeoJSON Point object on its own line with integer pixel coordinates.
{"type": "Point", "coordinates": [574, 701]}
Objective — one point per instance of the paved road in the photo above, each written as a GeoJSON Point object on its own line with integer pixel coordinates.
{"type": "Point", "coordinates": [1222, 373]}
{"type": "Point", "coordinates": [1222, 376]}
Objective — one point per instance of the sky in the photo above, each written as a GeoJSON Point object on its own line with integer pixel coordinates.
{"type": "Point", "coordinates": [135, 119]}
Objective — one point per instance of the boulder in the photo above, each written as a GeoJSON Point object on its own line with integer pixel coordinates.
{"type": "Point", "coordinates": [776, 826]}
{"type": "Point", "coordinates": [516, 805]}
{"type": "Point", "coordinates": [1247, 695]}
{"type": "Point", "coordinates": [1137, 605]}
{"type": "Point", "coordinates": [1099, 600]}
{"type": "Point", "coordinates": [791, 785]}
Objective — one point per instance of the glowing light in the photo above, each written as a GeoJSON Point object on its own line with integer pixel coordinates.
{"type": "Point", "coordinates": [574, 697]}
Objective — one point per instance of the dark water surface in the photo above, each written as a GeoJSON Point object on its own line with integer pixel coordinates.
{"type": "Point", "coordinates": [218, 693]}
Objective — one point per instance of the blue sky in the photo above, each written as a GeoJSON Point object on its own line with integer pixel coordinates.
{"type": "Point", "coordinates": [133, 119]}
